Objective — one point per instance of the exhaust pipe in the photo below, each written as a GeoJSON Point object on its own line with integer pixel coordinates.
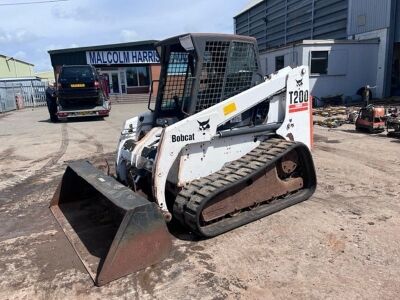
{"type": "Point", "coordinates": [113, 230]}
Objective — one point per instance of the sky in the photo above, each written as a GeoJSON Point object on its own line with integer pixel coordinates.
{"type": "Point", "coordinates": [27, 32]}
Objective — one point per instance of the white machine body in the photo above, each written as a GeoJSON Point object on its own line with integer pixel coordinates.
{"type": "Point", "coordinates": [194, 147]}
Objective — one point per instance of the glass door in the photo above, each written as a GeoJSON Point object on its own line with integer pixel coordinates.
{"type": "Point", "coordinates": [122, 77]}
{"type": "Point", "coordinates": [114, 83]}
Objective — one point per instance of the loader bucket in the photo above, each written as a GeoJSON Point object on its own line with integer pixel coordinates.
{"type": "Point", "coordinates": [113, 230]}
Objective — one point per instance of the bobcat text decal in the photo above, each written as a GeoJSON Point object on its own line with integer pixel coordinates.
{"type": "Point", "coordinates": [182, 137]}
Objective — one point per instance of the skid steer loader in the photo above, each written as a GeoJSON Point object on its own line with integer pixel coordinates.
{"type": "Point", "coordinates": [221, 147]}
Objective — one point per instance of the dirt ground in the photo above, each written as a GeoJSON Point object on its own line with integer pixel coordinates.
{"type": "Point", "coordinates": [343, 243]}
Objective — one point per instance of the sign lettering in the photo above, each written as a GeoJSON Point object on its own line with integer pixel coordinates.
{"type": "Point", "coordinates": [122, 57]}
{"type": "Point", "coordinates": [298, 96]}
{"type": "Point", "coordinates": [182, 138]}
{"type": "Point", "coordinates": [298, 101]}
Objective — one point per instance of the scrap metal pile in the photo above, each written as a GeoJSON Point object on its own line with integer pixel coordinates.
{"type": "Point", "coordinates": [334, 116]}
{"type": "Point", "coordinates": [393, 122]}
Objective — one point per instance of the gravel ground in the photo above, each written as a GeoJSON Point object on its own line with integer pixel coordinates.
{"type": "Point", "coordinates": [343, 243]}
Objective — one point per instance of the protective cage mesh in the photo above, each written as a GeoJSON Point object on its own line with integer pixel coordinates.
{"type": "Point", "coordinates": [220, 80]}
{"type": "Point", "coordinates": [177, 86]}
{"type": "Point", "coordinates": [242, 65]}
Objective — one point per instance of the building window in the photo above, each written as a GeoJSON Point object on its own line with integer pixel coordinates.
{"type": "Point", "coordinates": [319, 62]}
{"type": "Point", "coordinates": [137, 76]}
{"type": "Point", "coordinates": [279, 62]}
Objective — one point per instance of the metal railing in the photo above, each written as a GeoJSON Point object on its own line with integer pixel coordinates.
{"type": "Point", "coordinates": [31, 93]}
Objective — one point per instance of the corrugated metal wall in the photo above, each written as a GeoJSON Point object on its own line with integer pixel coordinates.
{"type": "Point", "coordinates": [397, 39]}
{"type": "Point", "coordinates": [7, 99]}
{"type": "Point", "coordinates": [252, 22]}
{"type": "Point", "coordinates": [32, 92]}
{"type": "Point", "coordinates": [279, 22]}
{"type": "Point", "coordinates": [368, 15]}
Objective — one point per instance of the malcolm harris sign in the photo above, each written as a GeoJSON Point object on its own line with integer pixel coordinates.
{"type": "Point", "coordinates": [122, 57]}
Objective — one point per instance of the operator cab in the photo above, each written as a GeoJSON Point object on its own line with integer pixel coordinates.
{"type": "Point", "coordinates": [201, 70]}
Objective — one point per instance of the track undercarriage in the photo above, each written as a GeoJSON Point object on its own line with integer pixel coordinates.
{"type": "Point", "coordinates": [275, 175]}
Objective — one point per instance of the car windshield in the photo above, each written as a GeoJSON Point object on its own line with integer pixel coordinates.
{"type": "Point", "coordinates": [77, 72]}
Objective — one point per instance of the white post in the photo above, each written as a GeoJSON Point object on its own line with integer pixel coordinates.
{"type": "Point", "coordinates": [33, 94]}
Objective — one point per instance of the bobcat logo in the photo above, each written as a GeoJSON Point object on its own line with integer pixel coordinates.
{"type": "Point", "coordinates": [290, 124]}
{"type": "Point", "coordinates": [299, 82]}
{"type": "Point", "coordinates": [204, 125]}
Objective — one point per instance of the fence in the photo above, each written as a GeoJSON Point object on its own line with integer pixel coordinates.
{"type": "Point", "coordinates": [31, 92]}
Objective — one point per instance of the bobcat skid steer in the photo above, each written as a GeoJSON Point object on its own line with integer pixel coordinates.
{"type": "Point", "coordinates": [222, 147]}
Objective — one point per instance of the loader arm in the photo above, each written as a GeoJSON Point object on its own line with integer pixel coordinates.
{"type": "Point", "coordinates": [202, 126]}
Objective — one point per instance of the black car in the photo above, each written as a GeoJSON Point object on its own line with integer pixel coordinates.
{"type": "Point", "coordinates": [80, 86]}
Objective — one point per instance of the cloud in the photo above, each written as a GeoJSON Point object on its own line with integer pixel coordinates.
{"type": "Point", "coordinates": [60, 13]}
{"type": "Point", "coordinates": [35, 29]}
{"type": "Point", "coordinates": [18, 36]}
{"type": "Point", "coordinates": [20, 55]}
{"type": "Point", "coordinates": [5, 37]}
{"type": "Point", "coordinates": [43, 64]}
{"type": "Point", "coordinates": [81, 14]}
{"type": "Point", "coordinates": [127, 35]}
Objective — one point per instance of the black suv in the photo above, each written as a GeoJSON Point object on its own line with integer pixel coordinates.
{"type": "Point", "coordinates": [80, 86]}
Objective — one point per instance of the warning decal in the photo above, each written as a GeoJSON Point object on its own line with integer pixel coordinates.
{"type": "Point", "coordinates": [298, 107]}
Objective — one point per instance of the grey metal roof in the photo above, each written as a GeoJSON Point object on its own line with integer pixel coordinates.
{"type": "Point", "coordinates": [103, 47]}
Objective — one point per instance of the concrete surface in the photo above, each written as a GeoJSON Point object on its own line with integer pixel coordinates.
{"type": "Point", "coordinates": [343, 243]}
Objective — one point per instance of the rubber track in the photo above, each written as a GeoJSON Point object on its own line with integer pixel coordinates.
{"type": "Point", "coordinates": [192, 198]}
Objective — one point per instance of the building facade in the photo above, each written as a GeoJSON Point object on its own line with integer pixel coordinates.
{"type": "Point", "coordinates": [337, 67]}
{"type": "Point", "coordinates": [47, 76]}
{"type": "Point", "coordinates": [11, 67]}
{"type": "Point", "coordinates": [278, 24]}
{"type": "Point", "coordinates": [129, 67]}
